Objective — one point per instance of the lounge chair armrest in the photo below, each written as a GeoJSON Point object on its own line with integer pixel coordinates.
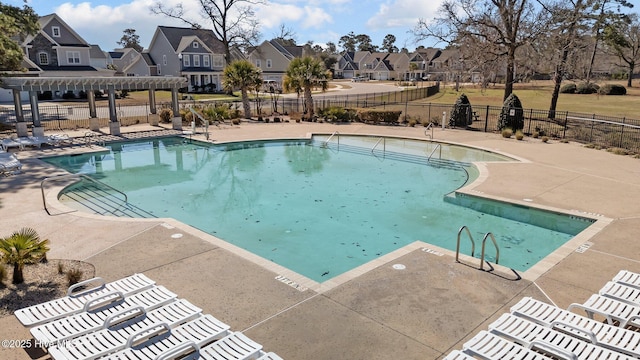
{"type": "Point", "coordinates": [562, 353]}
{"type": "Point", "coordinates": [83, 283]}
{"type": "Point", "coordinates": [631, 320]}
{"type": "Point", "coordinates": [591, 311]}
{"type": "Point", "coordinates": [179, 350]}
{"type": "Point", "coordinates": [148, 332]}
{"type": "Point", "coordinates": [103, 300]}
{"type": "Point", "coordinates": [590, 334]}
{"type": "Point", "coordinates": [124, 315]}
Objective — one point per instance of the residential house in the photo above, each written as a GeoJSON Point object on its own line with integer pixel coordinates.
{"type": "Point", "coordinates": [196, 54]}
{"type": "Point", "coordinates": [97, 58]}
{"type": "Point", "coordinates": [373, 66]}
{"type": "Point", "coordinates": [273, 59]}
{"type": "Point", "coordinates": [129, 62]}
{"type": "Point", "coordinates": [423, 59]}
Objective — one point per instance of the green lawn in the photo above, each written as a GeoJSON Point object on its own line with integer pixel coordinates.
{"type": "Point", "coordinates": [537, 95]}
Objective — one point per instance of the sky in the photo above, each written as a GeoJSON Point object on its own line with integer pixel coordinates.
{"type": "Point", "coordinates": [102, 22]}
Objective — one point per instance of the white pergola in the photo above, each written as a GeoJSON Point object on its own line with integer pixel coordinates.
{"type": "Point", "coordinates": [34, 85]}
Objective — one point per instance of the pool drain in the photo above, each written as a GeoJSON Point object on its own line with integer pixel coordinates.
{"type": "Point", "coordinates": [176, 236]}
{"type": "Point", "coordinates": [399, 266]}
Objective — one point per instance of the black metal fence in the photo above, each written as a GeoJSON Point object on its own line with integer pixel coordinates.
{"type": "Point", "coordinates": [605, 131]}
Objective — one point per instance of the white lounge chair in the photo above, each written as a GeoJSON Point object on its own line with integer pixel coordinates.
{"type": "Point", "coordinates": [606, 335]}
{"type": "Point", "coordinates": [9, 164]}
{"type": "Point", "coordinates": [10, 143]}
{"type": "Point", "coordinates": [621, 292]}
{"type": "Point", "coordinates": [162, 342]}
{"type": "Point", "coordinates": [97, 311]}
{"type": "Point", "coordinates": [117, 330]}
{"type": "Point", "coordinates": [36, 141]}
{"type": "Point", "coordinates": [274, 356]}
{"type": "Point", "coordinates": [615, 312]}
{"type": "Point", "coordinates": [74, 302]}
{"type": "Point", "coordinates": [236, 346]}
{"type": "Point", "coordinates": [488, 346]}
{"type": "Point", "coordinates": [458, 355]}
{"type": "Point", "coordinates": [628, 278]}
{"type": "Point", "coordinates": [528, 333]}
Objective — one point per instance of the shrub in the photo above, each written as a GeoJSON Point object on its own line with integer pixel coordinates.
{"type": "Point", "coordinates": [3, 274]}
{"type": "Point", "coordinates": [74, 276]}
{"type": "Point", "coordinates": [60, 268]}
{"type": "Point", "coordinates": [69, 95]}
{"type": "Point", "coordinates": [507, 133]}
{"type": "Point", "coordinates": [568, 89]}
{"type": "Point", "coordinates": [587, 88]}
{"type": "Point", "coordinates": [512, 115]}
{"type": "Point", "coordinates": [545, 139]}
{"type": "Point", "coordinates": [612, 89]}
{"type": "Point", "coordinates": [217, 113]}
{"type": "Point", "coordinates": [337, 114]}
{"type": "Point", "coordinates": [461, 113]}
{"type": "Point", "coordinates": [166, 115]}
{"type": "Point", "coordinates": [519, 135]}
{"type": "Point", "coordinates": [376, 117]}
{"type": "Point", "coordinates": [412, 123]}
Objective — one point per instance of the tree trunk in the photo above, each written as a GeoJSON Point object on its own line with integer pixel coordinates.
{"type": "Point", "coordinates": [308, 99]}
{"type": "Point", "coordinates": [631, 68]}
{"type": "Point", "coordinates": [18, 277]}
{"type": "Point", "coordinates": [245, 103]}
{"type": "Point", "coordinates": [508, 85]}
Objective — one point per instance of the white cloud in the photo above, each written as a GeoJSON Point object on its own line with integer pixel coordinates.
{"type": "Point", "coordinates": [402, 13]}
{"type": "Point", "coordinates": [104, 24]}
{"type": "Point", "coordinates": [315, 17]}
{"type": "Point", "coordinates": [272, 15]}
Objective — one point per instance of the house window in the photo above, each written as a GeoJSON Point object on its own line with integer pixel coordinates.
{"type": "Point", "coordinates": [205, 61]}
{"type": "Point", "coordinates": [258, 63]}
{"type": "Point", "coordinates": [268, 63]}
{"type": "Point", "coordinates": [196, 61]}
{"type": "Point", "coordinates": [185, 61]}
{"type": "Point", "coordinates": [73, 57]}
{"type": "Point", "coordinates": [55, 31]}
{"type": "Point", "coordinates": [43, 58]}
{"type": "Point", "coordinates": [164, 59]}
{"type": "Point", "coordinates": [218, 61]}
{"type": "Point", "coordinates": [195, 44]}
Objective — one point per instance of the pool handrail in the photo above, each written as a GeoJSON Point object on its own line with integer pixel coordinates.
{"type": "Point", "coordinates": [473, 244]}
{"type": "Point", "coordinates": [495, 244]}
{"type": "Point", "coordinates": [74, 176]}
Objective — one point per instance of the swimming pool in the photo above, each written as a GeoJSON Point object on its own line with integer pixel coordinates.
{"type": "Point", "coordinates": [320, 210]}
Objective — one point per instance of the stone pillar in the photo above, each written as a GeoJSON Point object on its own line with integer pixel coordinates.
{"type": "Point", "coordinates": [21, 125]}
{"type": "Point", "coordinates": [175, 106]}
{"type": "Point", "coordinates": [153, 115]}
{"type": "Point", "coordinates": [37, 129]}
{"type": "Point", "coordinates": [114, 125]}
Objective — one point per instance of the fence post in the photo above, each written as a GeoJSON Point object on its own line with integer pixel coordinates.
{"type": "Point", "coordinates": [622, 132]}
{"type": "Point", "coordinates": [530, 120]}
{"type": "Point", "coordinates": [564, 130]}
{"type": "Point", "coordinates": [486, 119]}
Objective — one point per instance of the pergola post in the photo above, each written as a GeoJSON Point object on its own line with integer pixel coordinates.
{"type": "Point", "coordinates": [153, 113]}
{"type": "Point", "coordinates": [114, 125]}
{"type": "Point", "coordinates": [94, 122]}
{"type": "Point", "coordinates": [175, 106]}
{"type": "Point", "coordinates": [37, 128]}
{"type": "Point", "coordinates": [21, 125]}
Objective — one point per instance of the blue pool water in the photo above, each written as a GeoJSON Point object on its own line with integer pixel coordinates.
{"type": "Point", "coordinates": [322, 210]}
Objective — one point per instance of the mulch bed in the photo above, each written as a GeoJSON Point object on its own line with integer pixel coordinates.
{"type": "Point", "coordinates": [42, 282]}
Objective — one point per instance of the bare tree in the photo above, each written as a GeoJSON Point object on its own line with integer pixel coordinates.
{"type": "Point", "coordinates": [624, 40]}
{"type": "Point", "coordinates": [286, 36]}
{"type": "Point", "coordinates": [498, 27]}
{"type": "Point", "coordinates": [233, 21]}
{"type": "Point", "coordinates": [609, 13]}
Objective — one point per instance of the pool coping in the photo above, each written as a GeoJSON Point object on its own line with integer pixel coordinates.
{"type": "Point", "coordinates": [302, 283]}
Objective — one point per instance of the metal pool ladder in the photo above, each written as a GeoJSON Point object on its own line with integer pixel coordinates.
{"type": "Point", "coordinates": [473, 245]}
{"type": "Point", "coordinates": [324, 144]}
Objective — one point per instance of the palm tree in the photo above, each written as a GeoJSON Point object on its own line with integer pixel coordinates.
{"type": "Point", "coordinates": [21, 248]}
{"type": "Point", "coordinates": [241, 74]}
{"type": "Point", "coordinates": [302, 75]}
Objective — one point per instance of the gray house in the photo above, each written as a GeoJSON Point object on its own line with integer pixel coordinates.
{"type": "Point", "coordinates": [195, 54]}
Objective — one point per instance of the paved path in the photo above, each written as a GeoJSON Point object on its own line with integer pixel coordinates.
{"type": "Point", "coordinates": [421, 312]}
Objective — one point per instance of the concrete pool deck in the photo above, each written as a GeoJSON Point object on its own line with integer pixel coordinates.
{"type": "Point", "coordinates": [421, 312]}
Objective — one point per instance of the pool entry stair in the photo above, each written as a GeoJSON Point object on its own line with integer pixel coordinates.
{"type": "Point", "coordinates": [92, 196]}
{"type": "Point", "coordinates": [379, 150]}
{"type": "Point", "coordinates": [488, 235]}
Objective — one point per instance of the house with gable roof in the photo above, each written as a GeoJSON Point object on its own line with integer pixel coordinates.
{"type": "Point", "coordinates": [129, 62]}
{"type": "Point", "coordinates": [57, 50]}
{"type": "Point", "coordinates": [273, 59]}
{"type": "Point", "coordinates": [196, 54]}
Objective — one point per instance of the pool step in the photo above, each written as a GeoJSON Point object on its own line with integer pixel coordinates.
{"type": "Point", "coordinates": [393, 155]}
{"type": "Point", "coordinates": [90, 197]}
